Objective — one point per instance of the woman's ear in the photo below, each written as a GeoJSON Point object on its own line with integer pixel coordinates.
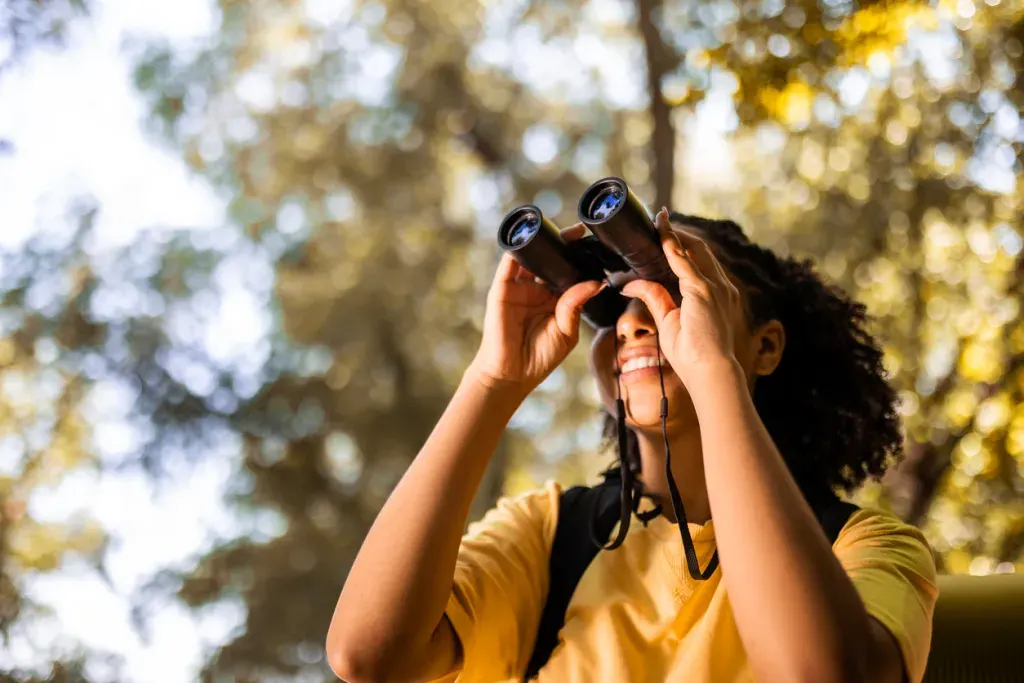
{"type": "Point", "coordinates": [769, 341]}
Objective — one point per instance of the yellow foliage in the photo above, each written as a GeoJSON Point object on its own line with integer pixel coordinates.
{"type": "Point", "coordinates": [958, 561]}
{"type": "Point", "coordinates": [813, 33]}
{"type": "Point", "coordinates": [880, 29]}
{"type": "Point", "coordinates": [1017, 346]}
{"type": "Point", "coordinates": [792, 105]}
{"type": "Point", "coordinates": [1015, 442]}
{"type": "Point", "coordinates": [993, 413]}
{"type": "Point", "coordinates": [960, 406]}
{"type": "Point", "coordinates": [7, 352]}
{"type": "Point", "coordinates": [699, 59]}
{"type": "Point", "coordinates": [981, 361]}
{"type": "Point", "coordinates": [35, 546]}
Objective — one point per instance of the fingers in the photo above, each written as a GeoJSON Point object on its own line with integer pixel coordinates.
{"type": "Point", "coordinates": [710, 267]}
{"type": "Point", "coordinates": [514, 272]}
{"type": "Point", "coordinates": [677, 257]}
{"type": "Point", "coordinates": [689, 256]}
{"type": "Point", "coordinates": [570, 306]}
{"type": "Point", "coordinates": [512, 282]}
{"type": "Point", "coordinates": [508, 269]}
{"type": "Point", "coordinates": [664, 226]}
{"type": "Point", "coordinates": [574, 232]}
{"type": "Point", "coordinates": [511, 271]}
{"type": "Point", "coordinates": [525, 275]}
{"type": "Point", "coordinates": [691, 279]}
{"type": "Point", "coordinates": [699, 253]}
{"type": "Point", "coordinates": [657, 299]}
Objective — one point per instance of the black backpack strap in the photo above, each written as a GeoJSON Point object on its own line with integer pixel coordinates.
{"type": "Point", "coordinates": [572, 551]}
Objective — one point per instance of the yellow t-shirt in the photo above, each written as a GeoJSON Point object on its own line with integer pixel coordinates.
{"type": "Point", "coordinates": [636, 614]}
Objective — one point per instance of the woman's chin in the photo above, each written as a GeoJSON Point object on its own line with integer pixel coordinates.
{"type": "Point", "coordinates": [643, 405]}
{"type": "Point", "coordinates": [646, 421]}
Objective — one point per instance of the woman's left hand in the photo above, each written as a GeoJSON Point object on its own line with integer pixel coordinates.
{"type": "Point", "coordinates": [697, 335]}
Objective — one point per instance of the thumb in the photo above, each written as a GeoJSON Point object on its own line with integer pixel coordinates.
{"type": "Point", "coordinates": [570, 306]}
{"type": "Point", "coordinates": [654, 296]}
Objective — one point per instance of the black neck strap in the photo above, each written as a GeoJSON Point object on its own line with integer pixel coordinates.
{"type": "Point", "coordinates": [629, 497]}
{"type": "Point", "coordinates": [626, 494]}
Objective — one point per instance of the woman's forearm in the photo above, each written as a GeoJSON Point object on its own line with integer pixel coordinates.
{"type": "Point", "coordinates": [798, 614]}
{"type": "Point", "coordinates": [396, 592]}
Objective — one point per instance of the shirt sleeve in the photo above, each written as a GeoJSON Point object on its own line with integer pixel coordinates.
{"type": "Point", "coordinates": [500, 585]}
{"type": "Point", "coordinates": [892, 567]}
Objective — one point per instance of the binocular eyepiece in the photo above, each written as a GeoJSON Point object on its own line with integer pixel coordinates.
{"type": "Point", "coordinates": [624, 239]}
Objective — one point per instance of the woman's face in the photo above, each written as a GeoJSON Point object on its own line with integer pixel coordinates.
{"type": "Point", "coordinates": [638, 355]}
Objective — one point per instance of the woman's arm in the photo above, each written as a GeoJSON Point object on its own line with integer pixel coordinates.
{"type": "Point", "coordinates": [388, 624]}
{"type": "Point", "coordinates": [799, 615]}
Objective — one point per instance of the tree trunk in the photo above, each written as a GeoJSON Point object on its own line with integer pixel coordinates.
{"type": "Point", "coordinates": [661, 59]}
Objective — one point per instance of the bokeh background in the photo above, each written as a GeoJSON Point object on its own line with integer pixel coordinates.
{"type": "Point", "coordinates": [244, 247]}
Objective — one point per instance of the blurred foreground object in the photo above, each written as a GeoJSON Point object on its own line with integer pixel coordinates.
{"type": "Point", "coordinates": [978, 632]}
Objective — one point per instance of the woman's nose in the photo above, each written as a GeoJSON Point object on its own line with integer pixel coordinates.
{"type": "Point", "coordinates": [635, 323]}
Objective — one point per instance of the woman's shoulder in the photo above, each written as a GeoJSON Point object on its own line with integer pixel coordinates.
{"type": "Point", "coordinates": [531, 510]}
{"type": "Point", "coordinates": [873, 536]}
{"type": "Point", "coordinates": [872, 522]}
{"type": "Point", "coordinates": [891, 565]}
{"type": "Point", "coordinates": [543, 499]}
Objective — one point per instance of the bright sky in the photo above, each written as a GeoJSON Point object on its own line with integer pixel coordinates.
{"type": "Point", "coordinates": [74, 120]}
{"type": "Point", "coordinates": [75, 124]}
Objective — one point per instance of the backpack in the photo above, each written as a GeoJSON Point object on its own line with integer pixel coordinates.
{"type": "Point", "coordinates": [573, 550]}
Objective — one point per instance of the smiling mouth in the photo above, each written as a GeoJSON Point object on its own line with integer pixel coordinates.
{"type": "Point", "coordinates": [634, 365]}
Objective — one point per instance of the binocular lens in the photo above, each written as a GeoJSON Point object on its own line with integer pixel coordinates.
{"type": "Point", "coordinates": [523, 230]}
{"type": "Point", "coordinates": [605, 203]}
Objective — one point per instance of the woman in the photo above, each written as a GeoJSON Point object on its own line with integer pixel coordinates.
{"type": "Point", "coordinates": [774, 389]}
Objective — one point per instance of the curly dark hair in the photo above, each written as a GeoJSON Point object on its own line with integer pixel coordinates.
{"type": "Point", "coordinates": [828, 406]}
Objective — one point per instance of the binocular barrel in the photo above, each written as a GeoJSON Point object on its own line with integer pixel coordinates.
{"type": "Point", "coordinates": [624, 239]}
{"type": "Point", "coordinates": [620, 220]}
{"type": "Point", "coordinates": [537, 245]}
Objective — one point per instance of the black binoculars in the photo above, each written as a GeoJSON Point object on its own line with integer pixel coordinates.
{"type": "Point", "coordinates": [624, 239]}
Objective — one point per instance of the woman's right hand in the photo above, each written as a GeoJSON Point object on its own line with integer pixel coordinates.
{"type": "Point", "coordinates": [528, 330]}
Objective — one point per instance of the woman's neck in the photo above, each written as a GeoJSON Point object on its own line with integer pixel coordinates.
{"type": "Point", "coordinates": [687, 470]}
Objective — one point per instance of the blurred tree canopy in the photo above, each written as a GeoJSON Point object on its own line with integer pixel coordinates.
{"type": "Point", "coordinates": [369, 150]}
{"type": "Point", "coordinates": [27, 23]}
{"type": "Point", "coordinates": [41, 433]}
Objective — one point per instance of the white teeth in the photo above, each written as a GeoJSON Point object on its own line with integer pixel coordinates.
{"type": "Point", "coordinates": [639, 363]}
